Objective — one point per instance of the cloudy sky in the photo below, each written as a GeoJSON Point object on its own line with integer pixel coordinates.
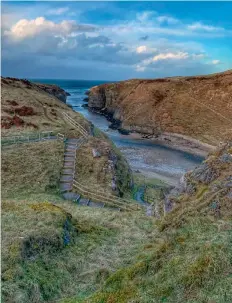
{"type": "Point", "coordinates": [115, 40]}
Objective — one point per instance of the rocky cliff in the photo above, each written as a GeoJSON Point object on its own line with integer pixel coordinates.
{"type": "Point", "coordinates": [51, 89]}
{"type": "Point", "coordinates": [200, 107]}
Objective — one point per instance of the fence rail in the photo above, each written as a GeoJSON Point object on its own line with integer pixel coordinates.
{"type": "Point", "coordinates": [31, 137]}
{"type": "Point", "coordinates": [104, 197]}
{"type": "Point", "coordinates": [79, 127]}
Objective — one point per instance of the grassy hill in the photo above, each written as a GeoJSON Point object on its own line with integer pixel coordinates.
{"type": "Point", "coordinates": [28, 108]}
{"type": "Point", "coordinates": [57, 251]}
{"type": "Point", "coordinates": [189, 259]}
{"type": "Point", "coordinates": [199, 107]}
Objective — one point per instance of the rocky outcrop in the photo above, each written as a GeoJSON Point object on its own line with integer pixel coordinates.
{"type": "Point", "coordinates": [209, 183]}
{"type": "Point", "coordinates": [54, 90]}
{"type": "Point", "coordinates": [199, 107]}
{"type": "Point", "coordinates": [51, 89]}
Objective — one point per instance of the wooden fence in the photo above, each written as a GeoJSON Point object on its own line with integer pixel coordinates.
{"type": "Point", "coordinates": [78, 127]}
{"type": "Point", "coordinates": [31, 137]}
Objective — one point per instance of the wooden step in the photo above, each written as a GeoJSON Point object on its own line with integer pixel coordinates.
{"type": "Point", "coordinates": [71, 196]}
{"type": "Point", "coordinates": [69, 163]}
{"type": "Point", "coordinates": [83, 202]}
{"type": "Point", "coordinates": [66, 178]}
{"type": "Point", "coordinates": [67, 171]}
{"type": "Point", "coordinates": [65, 187]}
{"type": "Point", "coordinates": [70, 154]}
{"type": "Point", "coordinates": [96, 204]}
{"type": "Point", "coordinates": [73, 140]}
{"type": "Point", "coordinates": [69, 159]}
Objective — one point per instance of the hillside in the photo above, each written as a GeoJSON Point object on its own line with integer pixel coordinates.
{"type": "Point", "coordinates": [29, 108]}
{"type": "Point", "coordinates": [199, 107]}
{"type": "Point", "coordinates": [189, 260]}
{"type": "Point", "coordinates": [56, 250]}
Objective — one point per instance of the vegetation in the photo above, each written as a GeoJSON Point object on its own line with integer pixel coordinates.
{"type": "Point", "coordinates": [189, 260]}
{"type": "Point", "coordinates": [32, 168]}
{"type": "Point", "coordinates": [56, 251]}
{"type": "Point", "coordinates": [100, 242]}
{"type": "Point", "coordinates": [193, 106]}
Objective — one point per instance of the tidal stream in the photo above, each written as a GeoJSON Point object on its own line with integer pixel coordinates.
{"type": "Point", "coordinates": [150, 159]}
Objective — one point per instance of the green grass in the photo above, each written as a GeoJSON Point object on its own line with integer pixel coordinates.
{"type": "Point", "coordinates": [190, 264]}
{"type": "Point", "coordinates": [154, 188]}
{"type": "Point", "coordinates": [103, 242]}
{"type": "Point", "coordinates": [30, 169]}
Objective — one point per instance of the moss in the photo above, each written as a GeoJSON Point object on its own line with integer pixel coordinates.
{"type": "Point", "coordinates": [47, 206]}
{"type": "Point", "coordinates": [120, 296]}
{"type": "Point", "coordinates": [201, 191]}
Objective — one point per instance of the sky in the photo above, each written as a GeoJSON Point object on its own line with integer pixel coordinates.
{"type": "Point", "coordinates": [115, 40]}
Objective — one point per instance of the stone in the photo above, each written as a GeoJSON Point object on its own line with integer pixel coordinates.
{"type": "Point", "coordinates": [96, 153]}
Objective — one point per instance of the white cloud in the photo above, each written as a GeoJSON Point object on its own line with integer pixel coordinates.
{"type": "Point", "coordinates": [198, 26]}
{"type": "Point", "coordinates": [58, 11]}
{"type": "Point", "coordinates": [140, 68]}
{"type": "Point", "coordinates": [215, 62]}
{"type": "Point", "coordinates": [30, 28]}
{"type": "Point", "coordinates": [199, 56]}
{"type": "Point", "coordinates": [141, 49]}
{"type": "Point", "coordinates": [145, 16]}
{"type": "Point", "coordinates": [179, 55]}
{"type": "Point", "coordinates": [167, 19]}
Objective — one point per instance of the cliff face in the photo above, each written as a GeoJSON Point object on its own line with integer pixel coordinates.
{"type": "Point", "coordinates": [51, 89]}
{"type": "Point", "coordinates": [200, 107]}
{"type": "Point", "coordinates": [54, 90]}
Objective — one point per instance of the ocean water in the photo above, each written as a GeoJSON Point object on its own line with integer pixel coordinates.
{"type": "Point", "coordinates": [153, 160]}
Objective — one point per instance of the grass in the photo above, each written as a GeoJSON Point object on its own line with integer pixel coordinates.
{"type": "Point", "coordinates": [153, 188]}
{"type": "Point", "coordinates": [31, 169]}
{"type": "Point", "coordinates": [101, 242]}
{"type": "Point", "coordinates": [99, 173]}
{"type": "Point", "coordinates": [48, 111]}
{"type": "Point", "coordinates": [189, 264]}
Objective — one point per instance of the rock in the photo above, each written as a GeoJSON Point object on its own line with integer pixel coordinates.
{"type": "Point", "coordinates": [96, 153]}
{"type": "Point", "coordinates": [123, 131]}
{"type": "Point", "coordinates": [54, 90]}
{"type": "Point", "coordinates": [113, 185]}
{"type": "Point", "coordinates": [205, 173]}
{"type": "Point", "coordinates": [226, 158]}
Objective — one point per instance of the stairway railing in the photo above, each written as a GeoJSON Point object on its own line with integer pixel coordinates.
{"type": "Point", "coordinates": [104, 197]}
{"type": "Point", "coordinates": [79, 127]}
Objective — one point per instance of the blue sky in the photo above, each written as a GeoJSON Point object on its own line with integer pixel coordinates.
{"type": "Point", "coordinates": [115, 40]}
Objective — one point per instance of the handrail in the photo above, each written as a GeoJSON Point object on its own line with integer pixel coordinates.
{"type": "Point", "coordinates": [103, 197]}
{"type": "Point", "coordinates": [101, 191]}
{"type": "Point", "coordinates": [98, 197]}
{"type": "Point", "coordinates": [78, 124]}
{"type": "Point", "coordinates": [81, 129]}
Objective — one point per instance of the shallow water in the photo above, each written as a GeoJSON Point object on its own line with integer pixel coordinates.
{"type": "Point", "coordinates": [152, 160]}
